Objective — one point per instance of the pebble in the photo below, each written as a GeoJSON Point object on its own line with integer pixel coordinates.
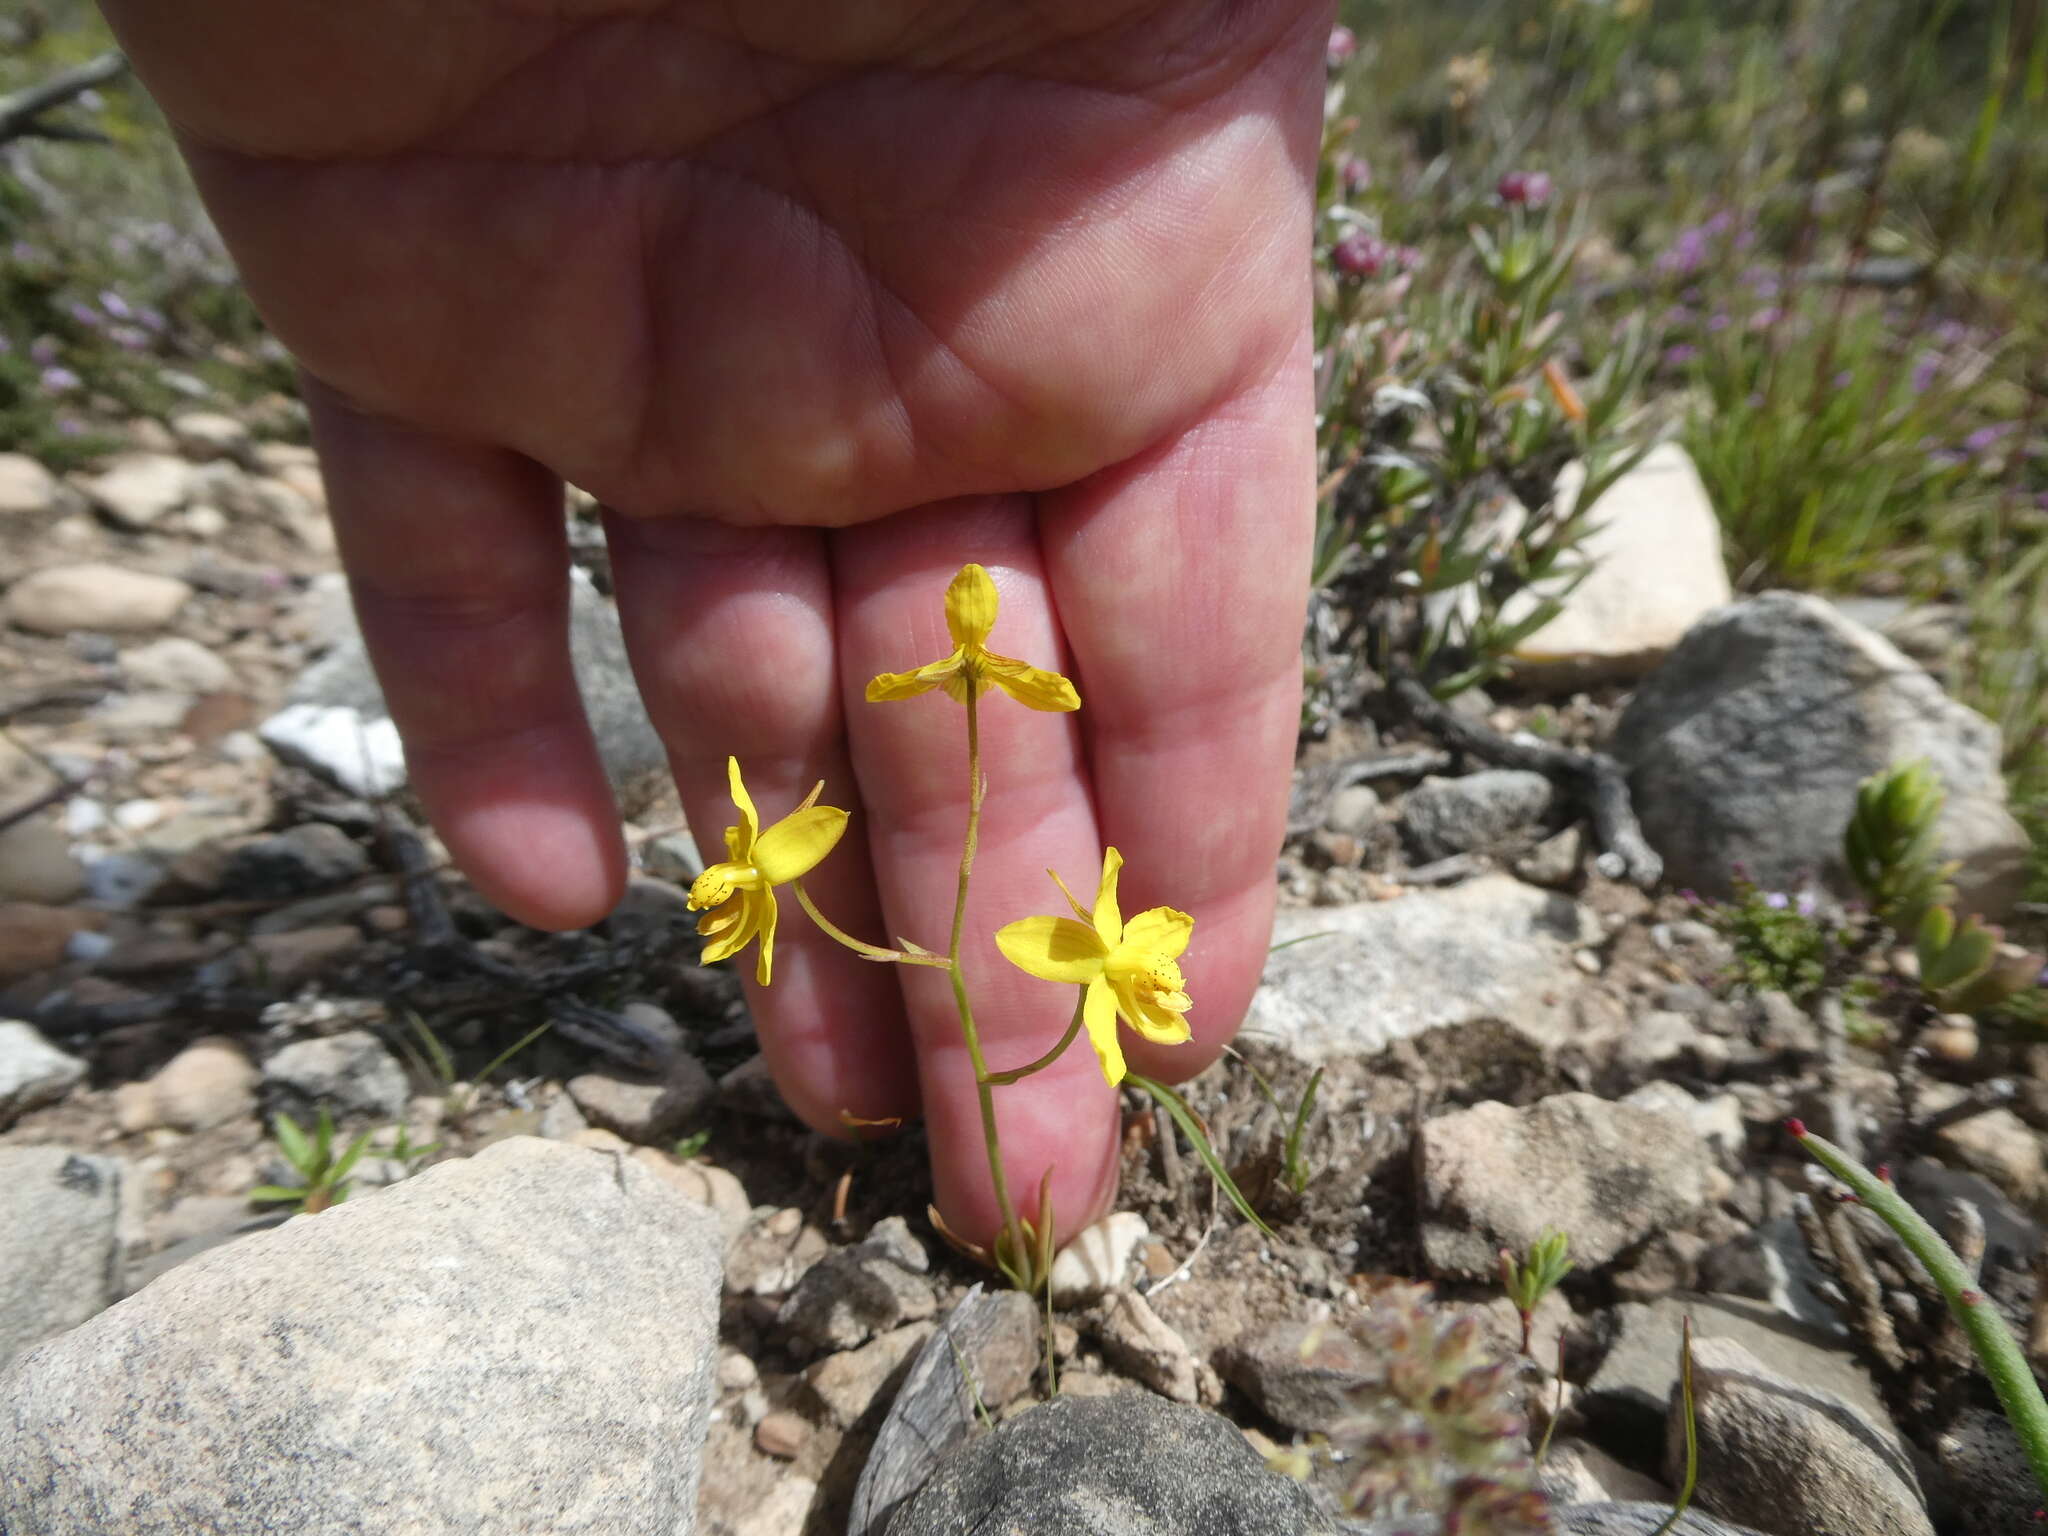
{"type": "Point", "coordinates": [26, 488]}
{"type": "Point", "coordinates": [1781, 1452]}
{"type": "Point", "coordinates": [121, 881]}
{"type": "Point", "coordinates": [208, 1083]}
{"type": "Point", "coordinates": [848, 1384]}
{"type": "Point", "coordinates": [33, 1072]}
{"type": "Point", "coordinates": [361, 753]}
{"type": "Point", "coordinates": [351, 1073]}
{"type": "Point", "coordinates": [36, 863]}
{"type": "Point", "coordinates": [59, 599]}
{"type": "Point", "coordinates": [1098, 1260]}
{"type": "Point", "coordinates": [782, 1434]}
{"type": "Point", "coordinates": [850, 1296]}
{"type": "Point", "coordinates": [736, 1372]}
{"type": "Point", "coordinates": [175, 664]}
{"type": "Point", "coordinates": [296, 862]}
{"type": "Point", "coordinates": [136, 489]}
{"type": "Point", "coordinates": [204, 435]}
{"type": "Point", "coordinates": [1614, 1174]}
{"type": "Point", "coordinates": [289, 960]}
{"type": "Point", "coordinates": [33, 937]}
{"type": "Point", "coordinates": [1145, 1347]}
{"type": "Point", "coordinates": [646, 1111]}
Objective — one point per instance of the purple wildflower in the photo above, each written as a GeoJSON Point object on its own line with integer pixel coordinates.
{"type": "Point", "coordinates": [1359, 254]}
{"type": "Point", "coordinates": [59, 381]}
{"type": "Point", "coordinates": [115, 305]}
{"type": "Point", "coordinates": [1807, 904]}
{"type": "Point", "coordinates": [1765, 318]}
{"type": "Point", "coordinates": [70, 426]}
{"type": "Point", "coordinates": [43, 351]}
{"type": "Point", "coordinates": [151, 317]}
{"type": "Point", "coordinates": [1844, 378]}
{"type": "Point", "coordinates": [1777, 901]}
{"type": "Point", "coordinates": [1686, 254]}
{"type": "Point", "coordinates": [1354, 175]}
{"type": "Point", "coordinates": [1342, 46]}
{"type": "Point", "coordinates": [1984, 439]}
{"type": "Point", "coordinates": [1527, 189]}
{"type": "Point", "coordinates": [1926, 368]}
{"type": "Point", "coordinates": [129, 338]}
{"type": "Point", "coordinates": [1679, 355]}
{"type": "Point", "coordinates": [1718, 321]}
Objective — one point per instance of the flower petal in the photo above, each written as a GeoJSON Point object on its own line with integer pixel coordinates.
{"type": "Point", "coordinates": [908, 685]}
{"type": "Point", "coordinates": [1151, 1016]}
{"type": "Point", "coordinates": [730, 927]}
{"type": "Point", "coordinates": [970, 607]}
{"type": "Point", "coordinates": [794, 845]}
{"type": "Point", "coordinates": [1033, 687]}
{"type": "Point", "coordinates": [762, 965]}
{"type": "Point", "coordinates": [1163, 932]}
{"type": "Point", "coordinates": [1109, 922]}
{"type": "Point", "coordinates": [1052, 949]}
{"type": "Point", "coordinates": [750, 824]}
{"type": "Point", "coordinates": [1098, 1012]}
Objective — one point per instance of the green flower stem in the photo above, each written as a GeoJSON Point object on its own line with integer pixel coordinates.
{"type": "Point", "coordinates": [1012, 1228]}
{"type": "Point", "coordinates": [1997, 1350]}
{"type": "Point", "coordinates": [1051, 1056]}
{"type": "Point", "coordinates": [866, 951]}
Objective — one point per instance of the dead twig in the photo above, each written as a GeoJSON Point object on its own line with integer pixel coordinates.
{"type": "Point", "coordinates": [1594, 781]}
{"type": "Point", "coordinates": [21, 112]}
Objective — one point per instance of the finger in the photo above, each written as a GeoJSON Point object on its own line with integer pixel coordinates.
{"type": "Point", "coordinates": [456, 558]}
{"type": "Point", "coordinates": [912, 760]}
{"type": "Point", "coordinates": [730, 631]}
{"type": "Point", "coordinates": [1182, 579]}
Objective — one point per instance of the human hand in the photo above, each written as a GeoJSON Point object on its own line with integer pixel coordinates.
{"type": "Point", "coordinates": [824, 304]}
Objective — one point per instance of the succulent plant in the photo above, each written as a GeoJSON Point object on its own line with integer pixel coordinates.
{"type": "Point", "coordinates": [1436, 1433]}
{"type": "Point", "coordinates": [1890, 844]}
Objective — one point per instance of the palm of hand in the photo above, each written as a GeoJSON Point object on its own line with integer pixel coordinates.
{"type": "Point", "coordinates": [809, 285]}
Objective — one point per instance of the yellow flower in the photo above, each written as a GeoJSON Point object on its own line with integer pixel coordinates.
{"type": "Point", "coordinates": [1130, 970]}
{"type": "Point", "coordinates": [970, 615]}
{"type": "Point", "coordinates": [741, 890]}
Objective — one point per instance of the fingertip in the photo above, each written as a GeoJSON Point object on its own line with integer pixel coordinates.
{"type": "Point", "coordinates": [549, 866]}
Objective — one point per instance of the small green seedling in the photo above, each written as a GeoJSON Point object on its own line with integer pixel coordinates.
{"type": "Point", "coordinates": [1528, 1282]}
{"type": "Point", "coordinates": [408, 1156]}
{"type": "Point", "coordinates": [1293, 1165]}
{"type": "Point", "coordinates": [689, 1146]}
{"type": "Point", "coordinates": [325, 1175]}
{"type": "Point", "coordinates": [1966, 967]}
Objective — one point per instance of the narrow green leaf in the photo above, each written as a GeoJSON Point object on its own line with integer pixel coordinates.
{"type": "Point", "coordinates": [350, 1158]}
{"type": "Point", "coordinates": [291, 1140]}
{"type": "Point", "coordinates": [1191, 1127]}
